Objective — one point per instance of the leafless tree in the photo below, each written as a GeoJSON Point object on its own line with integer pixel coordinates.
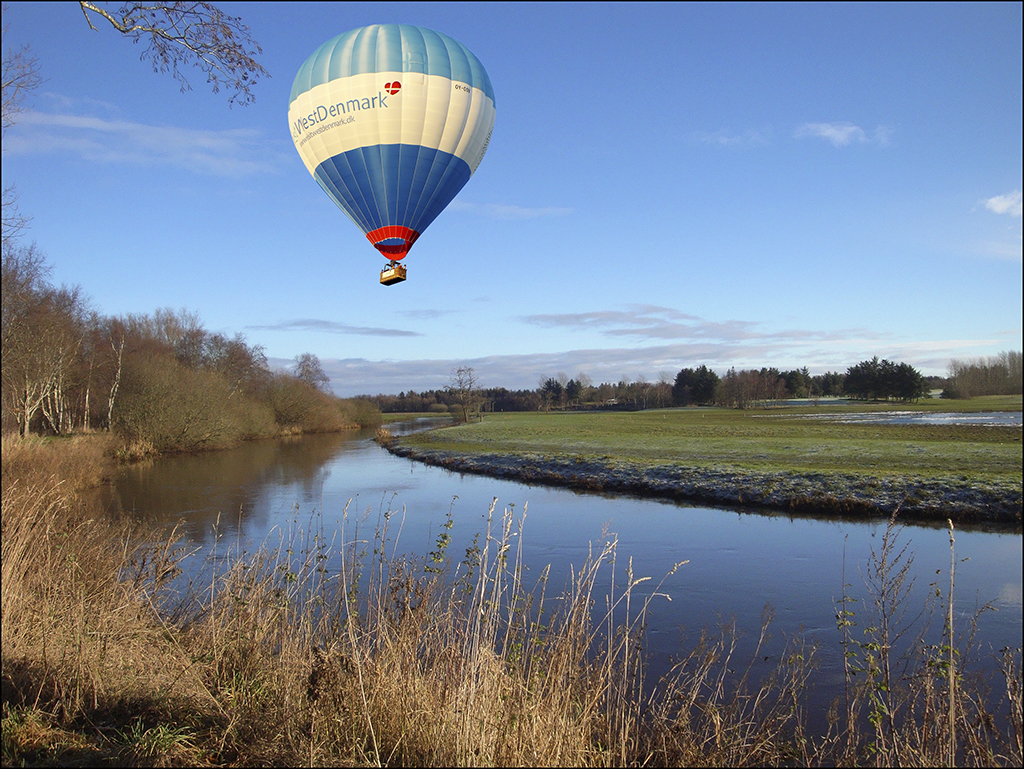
{"type": "Point", "coordinates": [20, 75]}
{"type": "Point", "coordinates": [190, 34]}
{"type": "Point", "coordinates": [42, 332]}
{"type": "Point", "coordinates": [998, 375]}
{"type": "Point", "coordinates": [242, 366]}
{"type": "Point", "coordinates": [117, 348]}
{"type": "Point", "coordinates": [463, 386]}
{"type": "Point", "coordinates": [585, 384]}
{"type": "Point", "coordinates": [309, 370]}
{"type": "Point", "coordinates": [176, 35]}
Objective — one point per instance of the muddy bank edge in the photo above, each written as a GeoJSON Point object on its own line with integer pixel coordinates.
{"type": "Point", "coordinates": [963, 501]}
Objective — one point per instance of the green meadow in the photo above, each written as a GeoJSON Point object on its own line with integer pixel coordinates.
{"type": "Point", "coordinates": [803, 438]}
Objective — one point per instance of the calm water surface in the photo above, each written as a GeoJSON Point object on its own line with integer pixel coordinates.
{"type": "Point", "coordinates": [739, 561]}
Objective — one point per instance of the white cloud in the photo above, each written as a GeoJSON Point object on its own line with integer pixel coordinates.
{"type": "Point", "coordinates": [842, 134]}
{"type": "Point", "coordinates": [230, 153]}
{"type": "Point", "coordinates": [882, 134]}
{"type": "Point", "coordinates": [1010, 203]}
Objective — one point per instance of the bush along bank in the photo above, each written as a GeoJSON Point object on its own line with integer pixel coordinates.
{"type": "Point", "coordinates": [916, 498]}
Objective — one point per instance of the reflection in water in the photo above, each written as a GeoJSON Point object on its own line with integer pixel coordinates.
{"type": "Point", "coordinates": [739, 560]}
{"type": "Point", "coordinates": [231, 486]}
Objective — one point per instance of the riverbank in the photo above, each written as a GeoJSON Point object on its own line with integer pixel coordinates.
{"type": "Point", "coordinates": [109, 659]}
{"type": "Point", "coordinates": [853, 460]}
{"type": "Point", "coordinates": [829, 493]}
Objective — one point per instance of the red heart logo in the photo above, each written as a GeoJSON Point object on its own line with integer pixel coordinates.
{"type": "Point", "coordinates": [393, 88]}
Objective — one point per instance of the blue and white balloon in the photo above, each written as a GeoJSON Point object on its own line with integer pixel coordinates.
{"type": "Point", "coordinates": [392, 120]}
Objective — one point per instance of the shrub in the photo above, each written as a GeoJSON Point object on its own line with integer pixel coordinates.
{"type": "Point", "coordinates": [360, 412]}
{"type": "Point", "coordinates": [173, 407]}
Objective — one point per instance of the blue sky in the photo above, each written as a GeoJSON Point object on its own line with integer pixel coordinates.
{"type": "Point", "coordinates": [666, 186]}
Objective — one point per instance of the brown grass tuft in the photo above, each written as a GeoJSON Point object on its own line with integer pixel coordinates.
{"type": "Point", "coordinates": [332, 649]}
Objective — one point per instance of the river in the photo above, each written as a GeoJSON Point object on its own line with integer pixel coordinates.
{"type": "Point", "coordinates": [738, 561]}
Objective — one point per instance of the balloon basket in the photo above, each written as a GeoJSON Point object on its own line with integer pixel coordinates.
{"type": "Point", "coordinates": [393, 273]}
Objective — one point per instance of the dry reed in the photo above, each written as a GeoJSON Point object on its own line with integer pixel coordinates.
{"type": "Point", "coordinates": [327, 648]}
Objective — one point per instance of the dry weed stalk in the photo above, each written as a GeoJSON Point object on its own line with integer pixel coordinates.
{"type": "Point", "coordinates": [325, 649]}
{"type": "Point", "coordinates": [908, 702]}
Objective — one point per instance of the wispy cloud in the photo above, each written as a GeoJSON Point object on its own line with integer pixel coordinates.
{"type": "Point", "coordinates": [882, 134]}
{"type": "Point", "coordinates": [666, 340]}
{"type": "Point", "coordinates": [820, 351]}
{"type": "Point", "coordinates": [727, 138]}
{"type": "Point", "coordinates": [1009, 244]}
{"type": "Point", "coordinates": [1010, 203]}
{"type": "Point", "coordinates": [103, 139]}
{"type": "Point", "coordinates": [648, 322]}
{"type": "Point", "coordinates": [508, 212]}
{"type": "Point", "coordinates": [332, 327]}
{"type": "Point", "coordinates": [842, 134]}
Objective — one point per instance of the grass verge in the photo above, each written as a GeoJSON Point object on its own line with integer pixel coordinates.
{"type": "Point", "coordinates": [803, 439]}
{"type": "Point", "coordinates": [802, 458]}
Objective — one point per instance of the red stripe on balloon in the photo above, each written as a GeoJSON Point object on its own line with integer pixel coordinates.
{"type": "Point", "coordinates": [398, 251]}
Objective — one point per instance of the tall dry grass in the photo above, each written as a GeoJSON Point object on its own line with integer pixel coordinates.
{"type": "Point", "coordinates": [81, 645]}
{"type": "Point", "coordinates": [333, 647]}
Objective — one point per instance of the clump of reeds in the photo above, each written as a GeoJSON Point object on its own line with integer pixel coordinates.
{"type": "Point", "coordinates": [397, 660]}
{"type": "Point", "coordinates": [384, 438]}
{"type": "Point", "coordinates": [909, 702]}
{"type": "Point", "coordinates": [328, 648]}
{"type": "Point", "coordinates": [79, 462]}
{"type": "Point", "coordinates": [80, 638]}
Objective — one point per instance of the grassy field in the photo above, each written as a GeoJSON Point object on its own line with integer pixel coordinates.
{"type": "Point", "coordinates": [793, 438]}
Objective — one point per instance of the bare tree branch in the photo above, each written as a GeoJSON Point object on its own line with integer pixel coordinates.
{"type": "Point", "coordinates": [185, 33]}
{"type": "Point", "coordinates": [20, 75]}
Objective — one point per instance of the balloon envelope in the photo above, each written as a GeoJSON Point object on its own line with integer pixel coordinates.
{"type": "Point", "coordinates": [392, 120]}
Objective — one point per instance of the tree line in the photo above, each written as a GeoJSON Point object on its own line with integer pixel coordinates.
{"type": "Point", "coordinates": [161, 382]}
{"type": "Point", "coordinates": [868, 380]}
{"type": "Point", "coordinates": [873, 380]}
{"type": "Point", "coordinates": [999, 375]}
{"type": "Point", "coordinates": [552, 393]}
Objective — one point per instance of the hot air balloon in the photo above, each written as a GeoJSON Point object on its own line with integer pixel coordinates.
{"type": "Point", "coordinates": [391, 120]}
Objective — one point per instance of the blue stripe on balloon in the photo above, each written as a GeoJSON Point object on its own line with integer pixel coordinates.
{"type": "Point", "coordinates": [442, 176]}
{"type": "Point", "coordinates": [391, 48]}
{"type": "Point", "coordinates": [415, 181]}
{"type": "Point", "coordinates": [420, 183]}
{"type": "Point", "coordinates": [337, 178]}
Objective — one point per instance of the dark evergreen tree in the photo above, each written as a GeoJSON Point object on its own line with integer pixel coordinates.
{"type": "Point", "coordinates": [694, 386]}
{"type": "Point", "coordinates": [883, 380]}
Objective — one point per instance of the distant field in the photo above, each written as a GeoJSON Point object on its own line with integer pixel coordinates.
{"type": "Point", "coordinates": [407, 415]}
{"type": "Point", "coordinates": [778, 439]}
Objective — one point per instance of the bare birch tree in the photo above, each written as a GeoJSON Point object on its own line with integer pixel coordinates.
{"type": "Point", "coordinates": [463, 385]}
{"type": "Point", "coordinates": [309, 370]}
